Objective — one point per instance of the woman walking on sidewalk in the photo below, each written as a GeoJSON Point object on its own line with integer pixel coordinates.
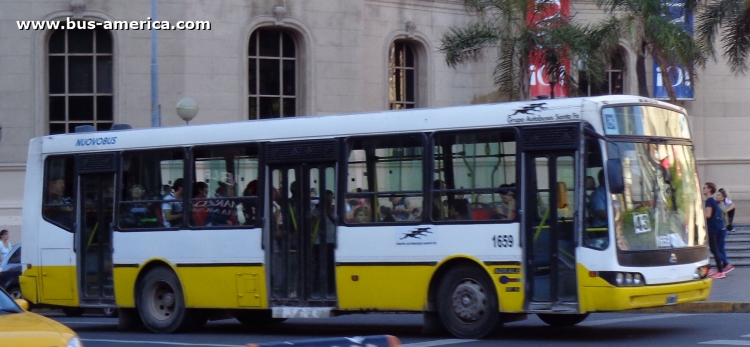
{"type": "Point", "coordinates": [715, 225]}
{"type": "Point", "coordinates": [725, 205]}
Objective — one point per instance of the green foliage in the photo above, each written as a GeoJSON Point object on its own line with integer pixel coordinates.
{"type": "Point", "coordinates": [503, 25]}
{"type": "Point", "coordinates": [732, 17]}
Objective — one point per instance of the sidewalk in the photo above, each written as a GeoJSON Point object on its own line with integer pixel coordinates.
{"type": "Point", "coordinates": [728, 295]}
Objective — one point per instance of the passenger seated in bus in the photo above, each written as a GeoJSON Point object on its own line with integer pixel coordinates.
{"type": "Point", "coordinates": [459, 210]}
{"type": "Point", "coordinates": [200, 208]}
{"type": "Point", "coordinates": [59, 208]}
{"type": "Point", "coordinates": [223, 211]}
{"type": "Point", "coordinates": [386, 214]}
{"type": "Point", "coordinates": [506, 209]}
{"type": "Point", "coordinates": [416, 214]}
{"type": "Point", "coordinates": [171, 208]}
{"type": "Point", "coordinates": [135, 214]}
{"type": "Point", "coordinates": [598, 205]}
{"type": "Point", "coordinates": [401, 207]}
{"type": "Point", "coordinates": [360, 216]}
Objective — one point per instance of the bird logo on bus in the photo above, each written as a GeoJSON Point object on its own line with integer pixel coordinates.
{"type": "Point", "coordinates": [417, 233]}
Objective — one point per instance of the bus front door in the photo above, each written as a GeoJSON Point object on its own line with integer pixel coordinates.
{"type": "Point", "coordinates": [302, 235]}
{"type": "Point", "coordinates": [551, 284]}
{"type": "Point", "coordinates": [94, 239]}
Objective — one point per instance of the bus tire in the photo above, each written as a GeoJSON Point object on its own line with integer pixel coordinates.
{"type": "Point", "coordinates": [562, 320]}
{"type": "Point", "coordinates": [255, 318]}
{"type": "Point", "coordinates": [467, 303]}
{"type": "Point", "coordinates": [161, 302]}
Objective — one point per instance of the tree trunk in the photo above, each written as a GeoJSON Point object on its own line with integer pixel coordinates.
{"type": "Point", "coordinates": [640, 70]}
{"type": "Point", "coordinates": [666, 78]}
{"type": "Point", "coordinates": [524, 74]}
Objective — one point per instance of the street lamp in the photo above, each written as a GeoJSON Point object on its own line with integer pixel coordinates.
{"type": "Point", "coordinates": [187, 108]}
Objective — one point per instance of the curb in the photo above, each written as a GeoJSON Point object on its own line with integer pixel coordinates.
{"type": "Point", "coordinates": [700, 307]}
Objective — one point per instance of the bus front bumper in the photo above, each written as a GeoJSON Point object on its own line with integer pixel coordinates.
{"type": "Point", "coordinates": [625, 298]}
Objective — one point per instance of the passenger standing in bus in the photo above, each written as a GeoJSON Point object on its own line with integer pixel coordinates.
{"type": "Point", "coordinates": [172, 206]}
{"type": "Point", "coordinates": [250, 206]}
{"type": "Point", "coordinates": [438, 211]}
{"type": "Point", "coordinates": [714, 224]}
{"type": "Point", "coordinates": [200, 208]}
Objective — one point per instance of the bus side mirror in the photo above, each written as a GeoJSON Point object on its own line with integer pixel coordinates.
{"type": "Point", "coordinates": [614, 176]}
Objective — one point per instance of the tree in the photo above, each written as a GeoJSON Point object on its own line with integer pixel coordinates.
{"type": "Point", "coordinates": [733, 18]}
{"type": "Point", "coordinates": [650, 27]}
{"type": "Point", "coordinates": [519, 31]}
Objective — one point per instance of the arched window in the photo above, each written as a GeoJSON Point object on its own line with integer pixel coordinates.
{"type": "Point", "coordinates": [272, 74]}
{"type": "Point", "coordinates": [402, 75]}
{"type": "Point", "coordinates": [80, 80]}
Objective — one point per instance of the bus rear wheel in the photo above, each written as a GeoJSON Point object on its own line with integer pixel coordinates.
{"type": "Point", "coordinates": [562, 320]}
{"type": "Point", "coordinates": [467, 303]}
{"type": "Point", "coordinates": [161, 303]}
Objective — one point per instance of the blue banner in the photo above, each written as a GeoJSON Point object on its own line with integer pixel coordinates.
{"type": "Point", "coordinates": [683, 86]}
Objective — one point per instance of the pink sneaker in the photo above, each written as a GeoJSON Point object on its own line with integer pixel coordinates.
{"type": "Point", "coordinates": [728, 268]}
{"type": "Point", "coordinates": [718, 275]}
{"type": "Point", "coordinates": [711, 272]}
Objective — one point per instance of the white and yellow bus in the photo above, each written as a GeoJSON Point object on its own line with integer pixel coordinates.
{"type": "Point", "coordinates": [473, 216]}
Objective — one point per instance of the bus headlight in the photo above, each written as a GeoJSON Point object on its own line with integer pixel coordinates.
{"type": "Point", "coordinates": [622, 279]}
{"type": "Point", "coordinates": [637, 279]}
{"type": "Point", "coordinates": [701, 272]}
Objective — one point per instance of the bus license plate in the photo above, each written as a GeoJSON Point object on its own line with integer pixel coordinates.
{"type": "Point", "coordinates": [672, 299]}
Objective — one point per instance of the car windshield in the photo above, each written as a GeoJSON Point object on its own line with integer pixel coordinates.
{"type": "Point", "coordinates": [7, 305]}
{"type": "Point", "coordinates": [661, 206]}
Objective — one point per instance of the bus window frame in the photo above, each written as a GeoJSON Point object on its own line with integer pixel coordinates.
{"type": "Point", "coordinates": [73, 183]}
{"type": "Point", "coordinates": [517, 171]}
{"type": "Point", "coordinates": [121, 186]}
{"type": "Point", "coordinates": [344, 176]}
{"type": "Point", "coordinates": [260, 188]}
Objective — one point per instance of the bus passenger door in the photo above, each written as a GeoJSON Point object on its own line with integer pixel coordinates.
{"type": "Point", "coordinates": [550, 221]}
{"type": "Point", "coordinates": [94, 235]}
{"type": "Point", "coordinates": [302, 231]}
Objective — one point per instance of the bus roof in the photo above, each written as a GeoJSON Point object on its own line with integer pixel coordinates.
{"type": "Point", "coordinates": [374, 123]}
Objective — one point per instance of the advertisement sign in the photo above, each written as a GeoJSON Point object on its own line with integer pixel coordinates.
{"type": "Point", "coordinates": [683, 86]}
{"type": "Point", "coordinates": [539, 83]}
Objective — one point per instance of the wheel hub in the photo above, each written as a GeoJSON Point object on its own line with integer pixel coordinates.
{"type": "Point", "coordinates": [469, 301]}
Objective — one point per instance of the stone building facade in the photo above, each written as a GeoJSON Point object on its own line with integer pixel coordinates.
{"type": "Point", "coordinates": [267, 58]}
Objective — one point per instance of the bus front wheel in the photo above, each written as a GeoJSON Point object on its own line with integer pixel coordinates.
{"type": "Point", "coordinates": [467, 303]}
{"type": "Point", "coordinates": [161, 303]}
{"type": "Point", "coordinates": [562, 320]}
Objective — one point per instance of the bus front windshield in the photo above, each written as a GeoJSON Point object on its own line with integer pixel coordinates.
{"type": "Point", "coordinates": [661, 206]}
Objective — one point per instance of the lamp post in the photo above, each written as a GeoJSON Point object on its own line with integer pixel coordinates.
{"type": "Point", "coordinates": [187, 109]}
{"type": "Point", "coordinates": [155, 107]}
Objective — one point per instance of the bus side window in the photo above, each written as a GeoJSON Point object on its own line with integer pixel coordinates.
{"type": "Point", "coordinates": [596, 232]}
{"type": "Point", "coordinates": [225, 188]}
{"type": "Point", "coordinates": [384, 182]}
{"type": "Point", "coordinates": [474, 177]}
{"type": "Point", "coordinates": [58, 204]}
{"type": "Point", "coordinates": [148, 178]}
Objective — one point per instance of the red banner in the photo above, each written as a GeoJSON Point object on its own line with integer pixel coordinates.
{"type": "Point", "coordinates": [543, 13]}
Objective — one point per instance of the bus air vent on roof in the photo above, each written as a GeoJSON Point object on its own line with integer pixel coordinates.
{"type": "Point", "coordinates": [85, 129]}
{"type": "Point", "coordinates": [117, 126]}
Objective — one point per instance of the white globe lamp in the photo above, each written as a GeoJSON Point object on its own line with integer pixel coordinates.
{"type": "Point", "coordinates": [187, 109]}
